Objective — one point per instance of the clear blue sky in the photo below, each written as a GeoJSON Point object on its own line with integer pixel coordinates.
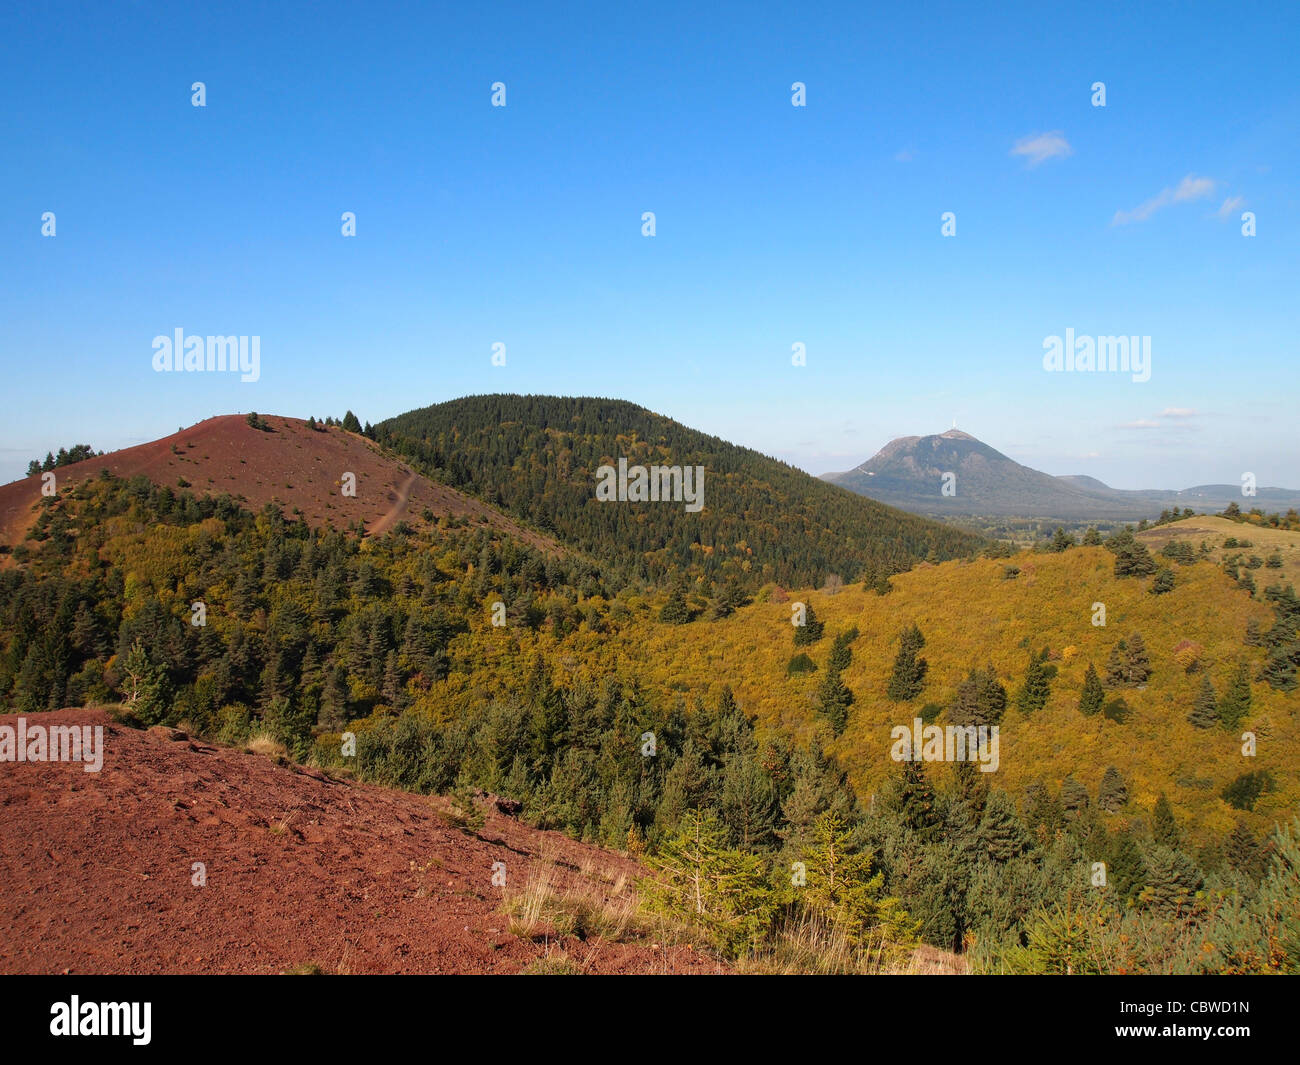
{"type": "Point", "coordinates": [775, 224]}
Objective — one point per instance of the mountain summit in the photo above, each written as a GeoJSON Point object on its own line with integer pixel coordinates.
{"type": "Point", "coordinates": [910, 473]}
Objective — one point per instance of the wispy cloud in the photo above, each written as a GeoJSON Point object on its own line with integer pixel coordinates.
{"type": "Point", "coordinates": [1159, 421]}
{"type": "Point", "coordinates": [1190, 188]}
{"type": "Point", "coordinates": [1231, 204]}
{"type": "Point", "coordinates": [1039, 147]}
{"type": "Point", "coordinates": [905, 155]}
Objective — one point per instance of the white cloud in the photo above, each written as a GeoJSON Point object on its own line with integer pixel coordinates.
{"type": "Point", "coordinates": [1141, 423]}
{"type": "Point", "coordinates": [1190, 188]}
{"type": "Point", "coordinates": [1039, 147]}
{"type": "Point", "coordinates": [1230, 205]}
{"type": "Point", "coordinates": [1178, 412]}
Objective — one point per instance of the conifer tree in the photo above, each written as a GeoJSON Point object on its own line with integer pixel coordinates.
{"type": "Point", "coordinates": [1171, 882]}
{"type": "Point", "coordinates": [1205, 711]}
{"type": "Point", "coordinates": [1074, 796]}
{"type": "Point", "coordinates": [1126, 870]}
{"type": "Point", "coordinates": [908, 677]}
{"type": "Point", "coordinates": [1164, 829]}
{"type": "Point", "coordinates": [1113, 793]}
{"type": "Point", "coordinates": [675, 611]}
{"type": "Point", "coordinates": [810, 631]}
{"type": "Point", "coordinates": [1093, 695]}
{"type": "Point", "coordinates": [1139, 665]}
{"type": "Point", "coordinates": [1235, 704]}
{"type": "Point", "coordinates": [834, 700]}
{"type": "Point", "coordinates": [1032, 697]}
{"type": "Point", "coordinates": [1001, 835]}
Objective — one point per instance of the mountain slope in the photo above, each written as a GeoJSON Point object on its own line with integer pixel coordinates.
{"type": "Point", "coordinates": [762, 520]}
{"type": "Point", "coordinates": [909, 473]}
{"type": "Point", "coordinates": [303, 872]}
{"type": "Point", "coordinates": [299, 469]}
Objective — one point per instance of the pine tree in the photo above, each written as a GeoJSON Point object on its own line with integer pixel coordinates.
{"type": "Point", "coordinates": [1033, 695]}
{"type": "Point", "coordinates": [696, 879]}
{"type": "Point", "coordinates": [981, 699]}
{"type": "Point", "coordinates": [914, 798]}
{"type": "Point", "coordinates": [1001, 835]}
{"type": "Point", "coordinates": [1117, 666]}
{"type": "Point", "coordinates": [841, 654]}
{"type": "Point", "coordinates": [810, 631]}
{"type": "Point", "coordinates": [1235, 704]}
{"type": "Point", "coordinates": [1126, 870]}
{"type": "Point", "coordinates": [1113, 793]}
{"type": "Point", "coordinates": [1092, 537]}
{"type": "Point", "coordinates": [1245, 853]}
{"type": "Point", "coordinates": [908, 677]}
{"type": "Point", "coordinates": [351, 423]}
{"type": "Point", "coordinates": [1093, 695]}
{"type": "Point", "coordinates": [1205, 712]}
{"type": "Point", "coordinates": [1139, 665]}
{"type": "Point", "coordinates": [1164, 829]}
{"type": "Point", "coordinates": [1171, 882]}
{"type": "Point", "coordinates": [675, 611]}
{"type": "Point", "coordinates": [1164, 582]}
{"type": "Point", "coordinates": [1074, 796]}
{"type": "Point", "coordinates": [834, 700]}
{"type": "Point", "coordinates": [842, 889]}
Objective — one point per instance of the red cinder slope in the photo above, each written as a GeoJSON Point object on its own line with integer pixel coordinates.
{"type": "Point", "coordinates": [302, 871]}
{"type": "Point", "coordinates": [299, 468]}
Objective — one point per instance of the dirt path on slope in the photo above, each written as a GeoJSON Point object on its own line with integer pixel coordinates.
{"type": "Point", "coordinates": [396, 510]}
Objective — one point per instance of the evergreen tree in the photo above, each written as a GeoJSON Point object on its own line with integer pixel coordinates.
{"type": "Point", "coordinates": [1032, 697]}
{"type": "Point", "coordinates": [1171, 882]}
{"type": "Point", "coordinates": [1164, 582]}
{"type": "Point", "coordinates": [1245, 853]}
{"type": "Point", "coordinates": [908, 676]}
{"type": "Point", "coordinates": [810, 631]}
{"type": "Point", "coordinates": [1139, 665]}
{"type": "Point", "coordinates": [1092, 537]}
{"type": "Point", "coordinates": [1093, 695]}
{"type": "Point", "coordinates": [1205, 711]}
{"type": "Point", "coordinates": [1117, 666]}
{"type": "Point", "coordinates": [834, 700]}
{"type": "Point", "coordinates": [1001, 835]}
{"type": "Point", "coordinates": [675, 611]}
{"type": "Point", "coordinates": [1126, 870]}
{"type": "Point", "coordinates": [981, 699]}
{"type": "Point", "coordinates": [351, 423]}
{"type": "Point", "coordinates": [1113, 793]}
{"type": "Point", "coordinates": [1164, 829]}
{"type": "Point", "coordinates": [1235, 704]}
{"type": "Point", "coordinates": [915, 800]}
{"type": "Point", "coordinates": [696, 879]}
{"type": "Point", "coordinates": [1074, 796]}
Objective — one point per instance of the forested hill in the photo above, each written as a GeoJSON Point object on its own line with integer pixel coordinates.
{"type": "Point", "coordinates": [763, 520]}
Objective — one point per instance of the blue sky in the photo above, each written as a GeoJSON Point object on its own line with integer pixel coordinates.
{"type": "Point", "coordinates": [774, 224]}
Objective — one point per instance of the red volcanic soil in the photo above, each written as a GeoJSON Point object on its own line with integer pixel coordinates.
{"type": "Point", "coordinates": [296, 467]}
{"type": "Point", "coordinates": [302, 870]}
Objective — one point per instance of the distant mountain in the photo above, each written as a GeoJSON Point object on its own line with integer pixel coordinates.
{"type": "Point", "coordinates": [908, 473]}
{"type": "Point", "coordinates": [762, 520]}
